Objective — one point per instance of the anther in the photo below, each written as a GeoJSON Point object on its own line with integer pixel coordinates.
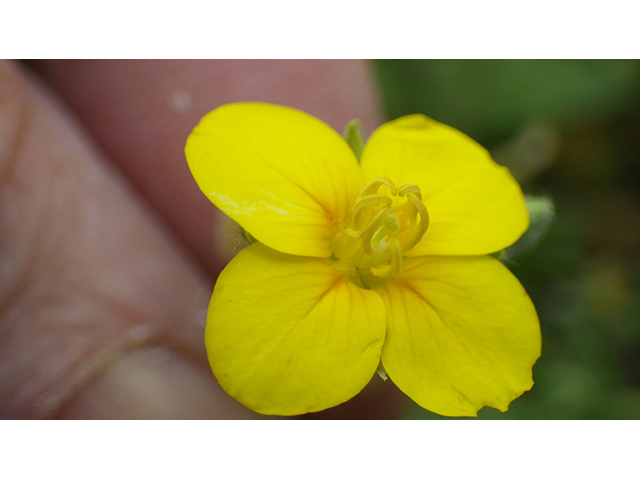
{"type": "Point", "coordinates": [376, 184]}
{"type": "Point", "coordinates": [410, 188]}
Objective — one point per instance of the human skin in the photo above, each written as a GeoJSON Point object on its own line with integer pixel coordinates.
{"type": "Point", "coordinates": [108, 249]}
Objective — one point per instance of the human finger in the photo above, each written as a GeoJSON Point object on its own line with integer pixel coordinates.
{"type": "Point", "coordinates": [100, 312]}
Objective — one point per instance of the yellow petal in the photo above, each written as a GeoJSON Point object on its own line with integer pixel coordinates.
{"type": "Point", "coordinates": [462, 334]}
{"type": "Point", "coordinates": [288, 335]}
{"type": "Point", "coordinates": [475, 206]}
{"type": "Point", "coordinates": [285, 176]}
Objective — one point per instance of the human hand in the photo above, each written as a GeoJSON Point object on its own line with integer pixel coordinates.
{"type": "Point", "coordinates": [108, 249]}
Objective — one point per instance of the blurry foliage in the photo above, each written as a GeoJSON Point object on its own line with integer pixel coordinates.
{"type": "Point", "coordinates": [568, 130]}
{"type": "Point", "coordinates": [494, 99]}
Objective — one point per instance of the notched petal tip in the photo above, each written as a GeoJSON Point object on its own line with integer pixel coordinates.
{"type": "Point", "coordinates": [462, 334]}
{"type": "Point", "coordinates": [414, 121]}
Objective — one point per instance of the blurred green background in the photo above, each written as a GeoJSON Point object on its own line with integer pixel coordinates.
{"type": "Point", "coordinates": [570, 130]}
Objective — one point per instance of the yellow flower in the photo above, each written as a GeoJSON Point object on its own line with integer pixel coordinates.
{"type": "Point", "coordinates": [360, 263]}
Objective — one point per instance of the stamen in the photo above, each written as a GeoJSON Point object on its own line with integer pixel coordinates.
{"type": "Point", "coordinates": [410, 188]}
{"type": "Point", "coordinates": [376, 184]}
{"type": "Point", "coordinates": [419, 219]}
{"type": "Point", "coordinates": [382, 227]}
{"type": "Point", "coordinates": [362, 203]}
{"type": "Point", "coordinates": [367, 234]}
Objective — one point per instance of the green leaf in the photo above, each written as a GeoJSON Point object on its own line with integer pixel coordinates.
{"type": "Point", "coordinates": [353, 135]}
{"type": "Point", "coordinates": [491, 100]}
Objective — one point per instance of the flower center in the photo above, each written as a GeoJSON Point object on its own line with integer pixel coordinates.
{"type": "Point", "coordinates": [385, 222]}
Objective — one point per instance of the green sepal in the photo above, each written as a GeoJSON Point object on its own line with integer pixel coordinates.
{"type": "Point", "coordinates": [247, 236]}
{"type": "Point", "coordinates": [354, 137]}
{"type": "Point", "coordinates": [381, 371]}
{"type": "Point", "coordinates": [541, 214]}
